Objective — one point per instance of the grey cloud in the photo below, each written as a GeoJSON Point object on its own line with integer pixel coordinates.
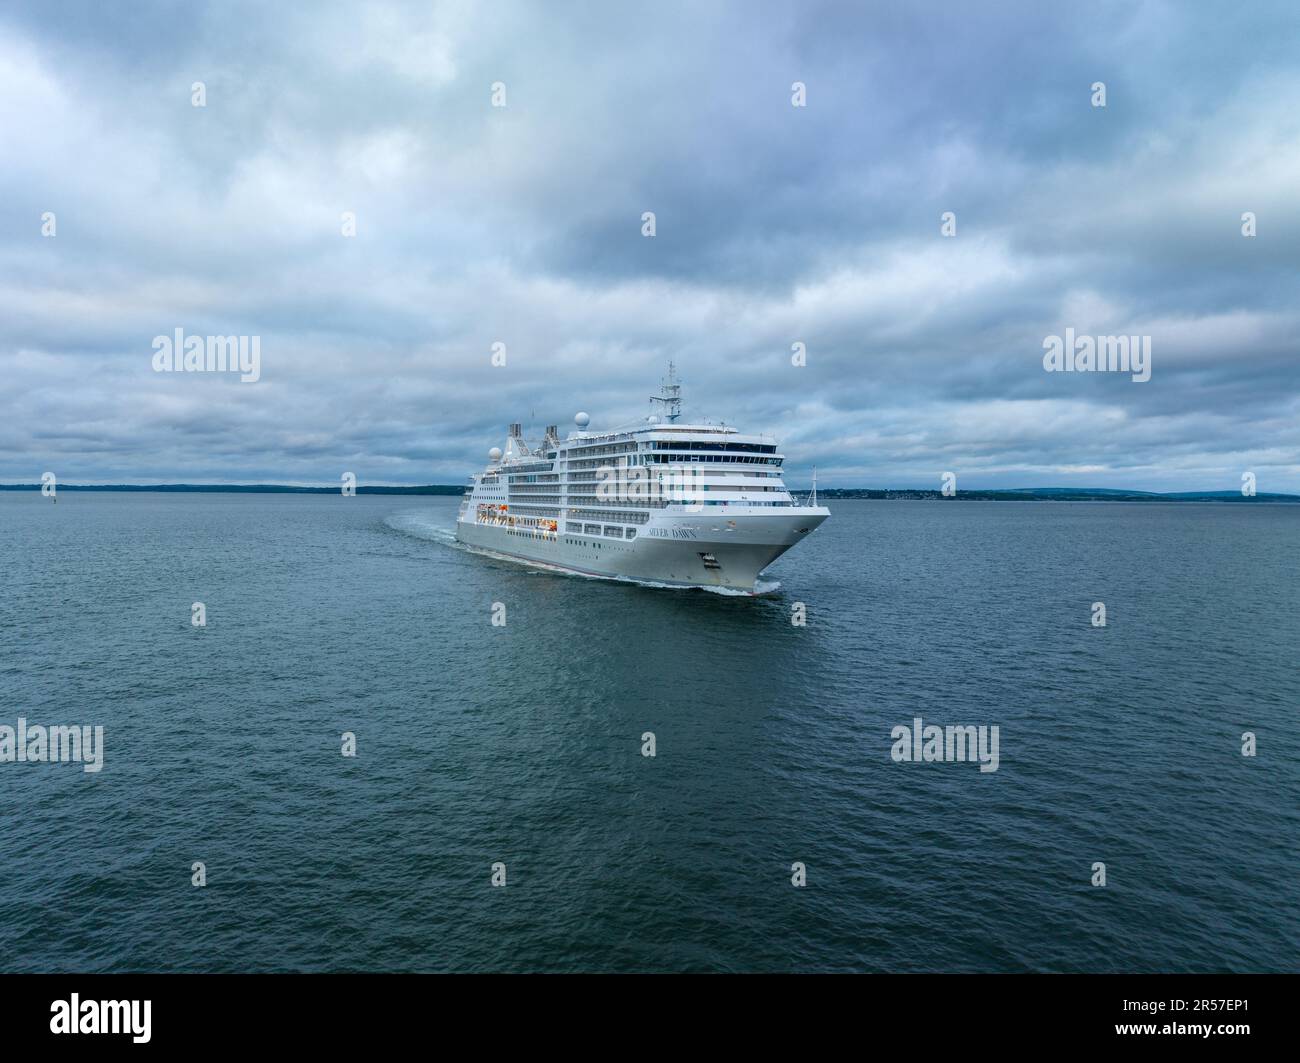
{"type": "Point", "coordinates": [775, 224]}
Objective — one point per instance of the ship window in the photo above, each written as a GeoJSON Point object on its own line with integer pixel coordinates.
{"type": "Point", "coordinates": [631, 533]}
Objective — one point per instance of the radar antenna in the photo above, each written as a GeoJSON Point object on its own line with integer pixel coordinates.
{"type": "Point", "coordinates": [670, 395]}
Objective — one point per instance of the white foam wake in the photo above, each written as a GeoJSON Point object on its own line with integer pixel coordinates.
{"type": "Point", "coordinates": [423, 525]}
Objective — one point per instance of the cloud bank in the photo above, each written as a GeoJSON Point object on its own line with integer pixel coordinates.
{"type": "Point", "coordinates": [478, 224]}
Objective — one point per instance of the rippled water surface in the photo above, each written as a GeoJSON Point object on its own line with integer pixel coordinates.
{"type": "Point", "coordinates": [522, 744]}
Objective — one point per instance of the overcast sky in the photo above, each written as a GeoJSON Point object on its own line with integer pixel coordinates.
{"type": "Point", "coordinates": [775, 224]}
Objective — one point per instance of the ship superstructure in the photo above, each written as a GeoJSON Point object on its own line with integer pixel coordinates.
{"type": "Point", "coordinates": [657, 501]}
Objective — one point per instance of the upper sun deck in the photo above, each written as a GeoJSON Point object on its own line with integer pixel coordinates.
{"type": "Point", "coordinates": [662, 433]}
{"type": "Point", "coordinates": [631, 440]}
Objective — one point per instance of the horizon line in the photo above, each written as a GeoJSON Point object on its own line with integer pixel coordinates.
{"type": "Point", "coordinates": [1093, 493]}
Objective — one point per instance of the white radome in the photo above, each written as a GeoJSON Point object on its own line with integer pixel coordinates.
{"type": "Point", "coordinates": [495, 453]}
{"type": "Point", "coordinates": [582, 420]}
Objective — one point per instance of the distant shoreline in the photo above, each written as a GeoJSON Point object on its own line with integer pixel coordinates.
{"type": "Point", "coordinates": [1058, 494]}
{"type": "Point", "coordinates": [1034, 494]}
{"type": "Point", "coordinates": [264, 489]}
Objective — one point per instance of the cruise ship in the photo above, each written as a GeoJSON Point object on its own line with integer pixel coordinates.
{"type": "Point", "coordinates": [693, 505]}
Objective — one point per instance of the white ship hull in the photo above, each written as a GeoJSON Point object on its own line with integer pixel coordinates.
{"type": "Point", "coordinates": [738, 547]}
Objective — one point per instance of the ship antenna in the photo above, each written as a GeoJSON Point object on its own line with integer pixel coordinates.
{"type": "Point", "coordinates": [670, 395]}
{"type": "Point", "coordinates": [813, 500]}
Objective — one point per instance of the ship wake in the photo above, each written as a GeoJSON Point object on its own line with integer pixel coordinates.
{"type": "Point", "coordinates": [423, 525]}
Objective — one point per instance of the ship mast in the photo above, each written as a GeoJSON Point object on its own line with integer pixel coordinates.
{"type": "Point", "coordinates": [670, 395]}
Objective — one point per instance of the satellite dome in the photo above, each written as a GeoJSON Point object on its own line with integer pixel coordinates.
{"type": "Point", "coordinates": [582, 420]}
{"type": "Point", "coordinates": [495, 453]}
{"type": "Point", "coordinates": [653, 419]}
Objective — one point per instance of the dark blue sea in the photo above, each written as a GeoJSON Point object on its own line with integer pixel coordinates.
{"type": "Point", "coordinates": [522, 744]}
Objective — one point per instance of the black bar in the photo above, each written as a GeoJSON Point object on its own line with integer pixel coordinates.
{"type": "Point", "coordinates": [986, 1013]}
